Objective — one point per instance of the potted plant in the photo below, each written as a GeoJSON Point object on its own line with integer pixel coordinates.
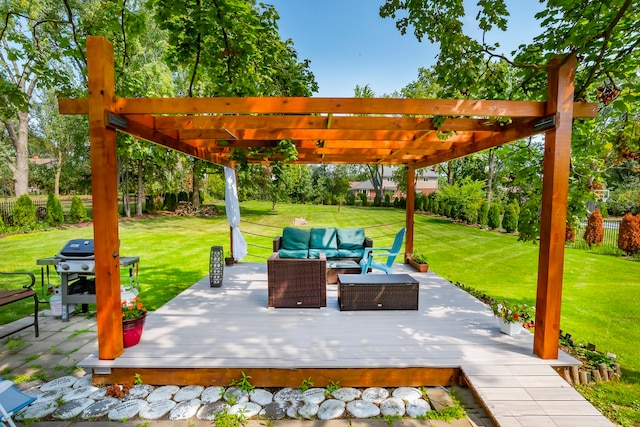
{"type": "Point", "coordinates": [134, 314]}
{"type": "Point", "coordinates": [418, 260]}
{"type": "Point", "coordinates": [512, 316]}
{"type": "Point", "coordinates": [228, 258]}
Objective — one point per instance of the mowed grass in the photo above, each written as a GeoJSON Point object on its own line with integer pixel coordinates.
{"type": "Point", "coordinates": [600, 300]}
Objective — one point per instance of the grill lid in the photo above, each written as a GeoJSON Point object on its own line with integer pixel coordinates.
{"type": "Point", "coordinates": [77, 248]}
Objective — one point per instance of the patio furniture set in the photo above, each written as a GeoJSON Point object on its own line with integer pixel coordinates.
{"type": "Point", "coordinates": [305, 261]}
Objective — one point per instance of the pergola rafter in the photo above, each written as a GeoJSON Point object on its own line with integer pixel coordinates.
{"type": "Point", "coordinates": [413, 132]}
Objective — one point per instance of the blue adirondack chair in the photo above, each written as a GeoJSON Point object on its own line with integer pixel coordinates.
{"type": "Point", "coordinates": [390, 254]}
{"type": "Point", "coordinates": [12, 400]}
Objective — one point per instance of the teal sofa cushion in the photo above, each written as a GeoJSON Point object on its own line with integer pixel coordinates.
{"type": "Point", "coordinates": [330, 253]}
{"type": "Point", "coordinates": [295, 239]}
{"type": "Point", "coordinates": [293, 253]}
{"type": "Point", "coordinates": [323, 238]}
{"type": "Point", "coordinates": [350, 253]}
{"type": "Point", "coordinates": [350, 238]}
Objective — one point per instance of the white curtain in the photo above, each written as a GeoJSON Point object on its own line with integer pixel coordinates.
{"type": "Point", "coordinates": [233, 213]}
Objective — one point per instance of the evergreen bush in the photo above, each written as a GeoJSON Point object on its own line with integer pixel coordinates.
{"type": "Point", "coordinates": [3, 227]}
{"type": "Point", "coordinates": [629, 234]}
{"type": "Point", "coordinates": [24, 213]}
{"type": "Point", "coordinates": [54, 215]}
{"type": "Point", "coordinates": [435, 206]}
{"type": "Point", "coordinates": [351, 199]}
{"type": "Point", "coordinates": [377, 201]}
{"type": "Point", "coordinates": [493, 220]}
{"type": "Point", "coordinates": [594, 232]}
{"type": "Point", "coordinates": [510, 219]}
{"type": "Point", "coordinates": [387, 200]}
{"type": "Point", "coordinates": [363, 199]}
{"type": "Point", "coordinates": [483, 215]}
{"type": "Point", "coordinates": [183, 196]}
{"type": "Point", "coordinates": [77, 213]}
{"type": "Point", "coordinates": [150, 204]}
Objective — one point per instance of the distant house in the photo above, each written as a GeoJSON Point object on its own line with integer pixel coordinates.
{"type": "Point", "coordinates": [426, 183]}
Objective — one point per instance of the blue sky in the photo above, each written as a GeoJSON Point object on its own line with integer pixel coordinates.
{"type": "Point", "coordinates": [348, 43]}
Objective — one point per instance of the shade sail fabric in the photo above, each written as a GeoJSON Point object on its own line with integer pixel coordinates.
{"type": "Point", "coordinates": [233, 213]}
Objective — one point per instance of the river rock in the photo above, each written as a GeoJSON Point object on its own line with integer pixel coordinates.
{"type": "Point", "coordinates": [100, 408]}
{"type": "Point", "coordinates": [126, 410]}
{"type": "Point", "coordinates": [185, 409]}
{"type": "Point", "coordinates": [78, 393]}
{"type": "Point", "coordinates": [392, 407]}
{"type": "Point", "coordinates": [59, 383]}
{"type": "Point", "coordinates": [165, 392]}
{"type": "Point", "coordinates": [261, 396]}
{"type": "Point", "coordinates": [347, 394]}
{"type": "Point", "coordinates": [212, 394]}
{"type": "Point", "coordinates": [314, 395]}
{"type": "Point", "coordinates": [188, 392]}
{"type": "Point", "coordinates": [72, 409]}
{"type": "Point", "coordinates": [85, 381]}
{"type": "Point", "coordinates": [375, 395]}
{"type": "Point", "coordinates": [236, 393]}
{"type": "Point", "coordinates": [407, 393]}
{"type": "Point", "coordinates": [331, 409]}
{"type": "Point", "coordinates": [210, 410]}
{"type": "Point", "coordinates": [308, 410]}
{"type": "Point", "coordinates": [140, 391]}
{"type": "Point", "coordinates": [363, 409]}
{"type": "Point", "coordinates": [292, 410]}
{"type": "Point", "coordinates": [418, 408]}
{"type": "Point", "coordinates": [288, 394]}
{"type": "Point", "coordinates": [38, 410]}
{"type": "Point", "coordinates": [157, 409]}
{"type": "Point", "coordinates": [246, 409]}
{"type": "Point", "coordinates": [275, 410]}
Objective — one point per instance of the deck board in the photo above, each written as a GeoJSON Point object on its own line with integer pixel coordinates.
{"type": "Point", "coordinates": [211, 334]}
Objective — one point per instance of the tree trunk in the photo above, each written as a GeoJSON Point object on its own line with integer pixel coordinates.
{"type": "Point", "coordinates": [56, 178]}
{"type": "Point", "coordinates": [140, 189]}
{"type": "Point", "coordinates": [450, 172]}
{"type": "Point", "coordinates": [196, 184]}
{"type": "Point", "coordinates": [491, 173]}
{"type": "Point", "coordinates": [20, 143]}
{"type": "Point", "coordinates": [125, 193]}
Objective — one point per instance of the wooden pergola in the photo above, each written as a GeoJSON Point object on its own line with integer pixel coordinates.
{"type": "Point", "coordinates": [411, 132]}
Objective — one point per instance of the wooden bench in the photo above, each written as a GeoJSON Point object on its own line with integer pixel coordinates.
{"type": "Point", "coordinates": [12, 295]}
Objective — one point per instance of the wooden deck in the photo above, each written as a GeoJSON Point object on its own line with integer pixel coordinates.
{"type": "Point", "coordinates": [210, 335]}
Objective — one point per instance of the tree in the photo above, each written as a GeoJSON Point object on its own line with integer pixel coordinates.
{"type": "Point", "coordinates": [629, 234]}
{"type": "Point", "coordinates": [54, 215]}
{"type": "Point", "coordinates": [494, 220]}
{"type": "Point", "coordinates": [594, 232]}
{"type": "Point", "coordinates": [24, 213]}
{"type": "Point", "coordinates": [510, 219]}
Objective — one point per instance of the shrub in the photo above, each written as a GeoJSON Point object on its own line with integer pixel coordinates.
{"type": "Point", "coordinates": [351, 199]}
{"type": "Point", "coordinates": [529, 220]}
{"type": "Point", "coordinates": [363, 199]}
{"type": "Point", "coordinates": [493, 220]}
{"type": "Point", "coordinates": [54, 215]}
{"type": "Point", "coordinates": [387, 200]}
{"type": "Point", "coordinates": [594, 232]}
{"type": "Point", "coordinates": [183, 196]}
{"type": "Point", "coordinates": [629, 234]}
{"type": "Point", "coordinates": [569, 234]}
{"type": "Point", "coordinates": [3, 227]}
{"type": "Point", "coordinates": [483, 215]}
{"type": "Point", "coordinates": [77, 213]}
{"type": "Point", "coordinates": [435, 206]}
{"type": "Point", "coordinates": [24, 213]}
{"type": "Point", "coordinates": [510, 219]}
{"type": "Point", "coordinates": [377, 201]}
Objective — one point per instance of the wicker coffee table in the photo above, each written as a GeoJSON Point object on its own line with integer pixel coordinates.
{"type": "Point", "coordinates": [377, 292]}
{"type": "Point", "coordinates": [341, 267]}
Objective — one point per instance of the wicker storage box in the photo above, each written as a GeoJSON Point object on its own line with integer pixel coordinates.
{"type": "Point", "coordinates": [297, 282]}
{"type": "Point", "coordinates": [377, 292]}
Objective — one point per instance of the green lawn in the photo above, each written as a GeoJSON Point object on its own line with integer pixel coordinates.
{"type": "Point", "coordinates": [600, 294]}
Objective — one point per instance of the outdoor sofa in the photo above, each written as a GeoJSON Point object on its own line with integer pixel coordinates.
{"type": "Point", "coordinates": [297, 268]}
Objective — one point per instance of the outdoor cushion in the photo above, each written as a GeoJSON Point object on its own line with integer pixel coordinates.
{"type": "Point", "coordinates": [350, 253]}
{"type": "Point", "coordinates": [351, 238]}
{"type": "Point", "coordinates": [294, 253]}
{"type": "Point", "coordinates": [295, 239]}
{"type": "Point", "coordinates": [330, 253]}
{"type": "Point", "coordinates": [323, 238]}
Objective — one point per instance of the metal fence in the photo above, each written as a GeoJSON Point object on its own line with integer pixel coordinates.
{"type": "Point", "coordinates": [610, 243]}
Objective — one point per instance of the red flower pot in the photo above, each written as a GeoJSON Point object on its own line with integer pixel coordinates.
{"type": "Point", "coordinates": [132, 330]}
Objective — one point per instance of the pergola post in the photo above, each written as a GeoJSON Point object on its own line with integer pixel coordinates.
{"type": "Point", "coordinates": [555, 189]}
{"type": "Point", "coordinates": [104, 186]}
{"type": "Point", "coordinates": [410, 211]}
